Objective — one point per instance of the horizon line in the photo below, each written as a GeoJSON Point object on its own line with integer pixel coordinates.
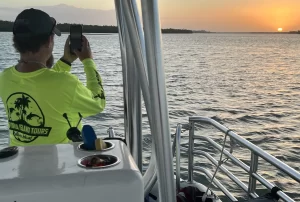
{"type": "Point", "coordinates": [203, 31]}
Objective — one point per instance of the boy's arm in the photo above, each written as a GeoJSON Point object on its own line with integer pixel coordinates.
{"type": "Point", "coordinates": [90, 99]}
{"type": "Point", "coordinates": [62, 66]}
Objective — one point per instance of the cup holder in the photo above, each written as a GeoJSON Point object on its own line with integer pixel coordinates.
{"type": "Point", "coordinates": [98, 161]}
{"type": "Point", "coordinates": [109, 146]}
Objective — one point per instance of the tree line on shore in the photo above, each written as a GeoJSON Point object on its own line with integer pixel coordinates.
{"type": "Point", "coordinates": [7, 26]}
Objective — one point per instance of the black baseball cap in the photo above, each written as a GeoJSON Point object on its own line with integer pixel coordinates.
{"type": "Point", "coordinates": [33, 22]}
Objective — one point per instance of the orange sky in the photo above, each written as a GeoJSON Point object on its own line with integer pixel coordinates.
{"type": "Point", "coordinates": [212, 15]}
{"type": "Point", "coordinates": [232, 15]}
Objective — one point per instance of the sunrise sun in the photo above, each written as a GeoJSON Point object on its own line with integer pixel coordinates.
{"type": "Point", "coordinates": [279, 29]}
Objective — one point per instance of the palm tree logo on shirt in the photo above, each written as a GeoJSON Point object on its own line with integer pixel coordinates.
{"type": "Point", "coordinates": [22, 105]}
{"type": "Point", "coordinates": [25, 117]}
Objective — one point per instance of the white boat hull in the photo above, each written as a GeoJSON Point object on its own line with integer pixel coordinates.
{"type": "Point", "coordinates": [51, 173]}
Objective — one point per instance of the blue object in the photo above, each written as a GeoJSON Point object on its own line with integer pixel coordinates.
{"type": "Point", "coordinates": [89, 137]}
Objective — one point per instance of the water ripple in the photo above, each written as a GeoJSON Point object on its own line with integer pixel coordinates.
{"type": "Point", "coordinates": [250, 83]}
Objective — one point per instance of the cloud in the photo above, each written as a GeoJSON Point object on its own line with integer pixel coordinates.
{"type": "Point", "coordinates": [68, 14]}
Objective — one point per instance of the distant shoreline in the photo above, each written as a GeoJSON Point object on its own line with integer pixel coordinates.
{"type": "Point", "coordinates": [6, 26]}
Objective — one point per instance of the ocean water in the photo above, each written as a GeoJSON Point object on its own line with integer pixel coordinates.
{"type": "Point", "coordinates": [248, 82]}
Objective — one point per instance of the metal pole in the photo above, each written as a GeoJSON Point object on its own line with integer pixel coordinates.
{"type": "Point", "coordinates": [138, 54]}
{"type": "Point", "coordinates": [131, 89]}
{"type": "Point", "coordinates": [139, 132]}
{"type": "Point", "coordinates": [137, 104]}
{"type": "Point", "coordinates": [134, 116]}
{"type": "Point", "coordinates": [217, 182]}
{"type": "Point", "coordinates": [190, 152]}
{"type": "Point", "coordinates": [253, 169]}
{"type": "Point", "coordinates": [140, 32]}
{"type": "Point", "coordinates": [269, 185]}
{"type": "Point", "coordinates": [111, 132]}
{"type": "Point", "coordinates": [258, 151]}
{"type": "Point", "coordinates": [130, 93]}
{"type": "Point", "coordinates": [122, 33]}
{"type": "Point", "coordinates": [178, 133]}
{"type": "Point", "coordinates": [150, 175]}
{"type": "Point", "coordinates": [160, 128]}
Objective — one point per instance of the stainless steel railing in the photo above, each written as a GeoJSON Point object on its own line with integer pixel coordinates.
{"type": "Point", "coordinates": [252, 170]}
{"type": "Point", "coordinates": [177, 143]}
{"type": "Point", "coordinates": [111, 132]}
{"type": "Point", "coordinates": [142, 68]}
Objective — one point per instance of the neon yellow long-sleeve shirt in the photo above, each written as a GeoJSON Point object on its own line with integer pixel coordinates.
{"type": "Point", "coordinates": [36, 101]}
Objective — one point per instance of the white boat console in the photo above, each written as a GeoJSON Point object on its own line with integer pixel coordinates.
{"type": "Point", "coordinates": [64, 173]}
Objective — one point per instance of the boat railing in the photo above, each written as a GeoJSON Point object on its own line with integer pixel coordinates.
{"type": "Point", "coordinates": [252, 169]}
{"type": "Point", "coordinates": [111, 132]}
